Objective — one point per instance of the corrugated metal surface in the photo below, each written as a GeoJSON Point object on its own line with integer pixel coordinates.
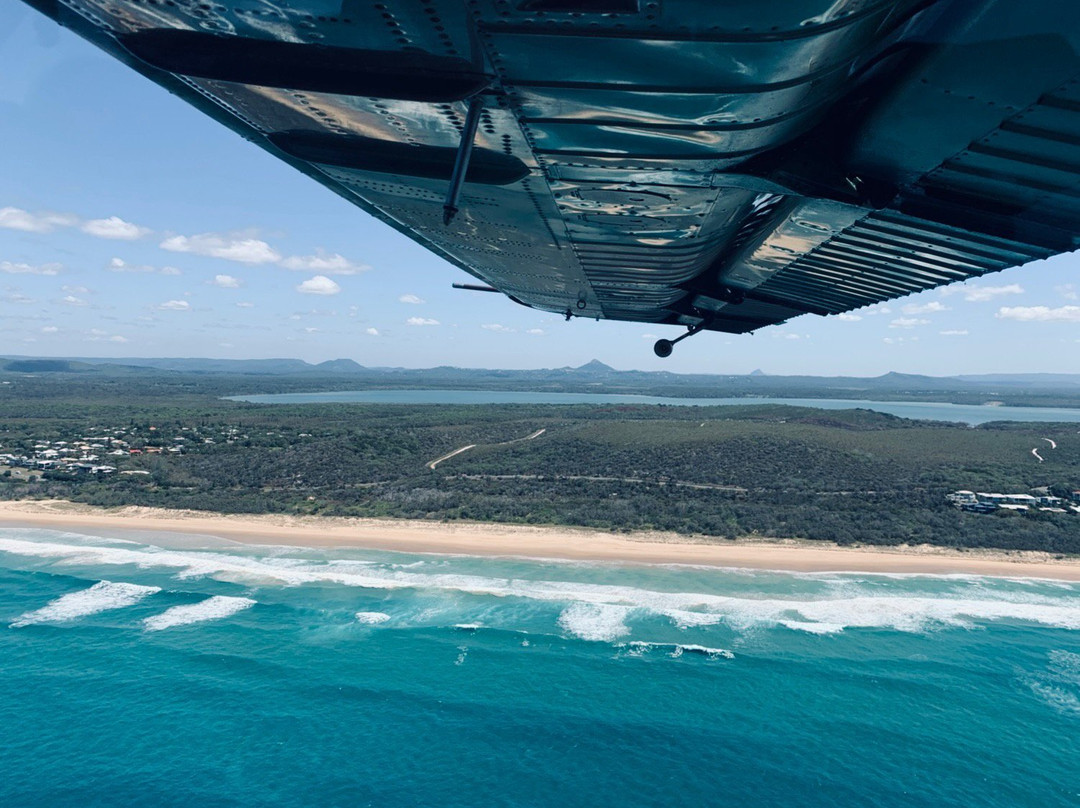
{"type": "Point", "coordinates": [888, 255]}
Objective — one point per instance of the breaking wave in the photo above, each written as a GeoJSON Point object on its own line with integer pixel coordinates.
{"type": "Point", "coordinates": [371, 618]}
{"type": "Point", "coordinates": [1059, 685]}
{"type": "Point", "coordinates": [599, 611]}
{"type": "Point", "coordinates": [676, 650]}
{"type": "Point", "coordinates": [214, 608]}
{"type": "Point", "coordinates": [101, 597]}
{"type": "Point", "coordinates": [595, 621]}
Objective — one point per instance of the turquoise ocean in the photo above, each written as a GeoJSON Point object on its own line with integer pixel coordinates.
{"type": "Point", "coordinates": [146, 669]}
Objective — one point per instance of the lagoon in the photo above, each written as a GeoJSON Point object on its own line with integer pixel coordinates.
{"type": "Point", "coordinates": [973, 414]}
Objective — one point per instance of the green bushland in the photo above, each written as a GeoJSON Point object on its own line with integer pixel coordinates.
{"type": "Point", "coordinates": [851, 476]}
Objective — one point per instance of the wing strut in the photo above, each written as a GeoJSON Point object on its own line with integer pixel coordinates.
{"type": "Point", "coordinates": [461, 164]}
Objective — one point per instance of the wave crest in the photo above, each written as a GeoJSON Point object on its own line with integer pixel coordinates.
{"type": "Point", "coordinates": [371, 618]}
{"type": "Point", "coordinates": [101, 597]}
{"type": "Point", "coordinates": [214, 608]}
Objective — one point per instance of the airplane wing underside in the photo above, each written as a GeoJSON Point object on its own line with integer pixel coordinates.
{"type": "Point", "coordinates": [720, 165]}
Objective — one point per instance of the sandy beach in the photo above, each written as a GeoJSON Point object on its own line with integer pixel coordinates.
{"type": "Point", "coordinates": [469, 538]}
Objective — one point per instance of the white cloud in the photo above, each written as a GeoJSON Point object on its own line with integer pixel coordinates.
{"type": "Point", "coordinates": [16, 297]}
{"type": "Point", "coordinates": [1068, 291]}
{"type": "Point", "coordinates": [871, 311]}
{"type": "Point", "coordinates": [648, 336]}
{"type": "Point", "coordinates": [961, 332]}
{"type": "Point", "coordinates": [1041, 314]}
{"type": "Point", "coordinates": [76, 290]}
{"type": "Point", "coordinates": [225, 282]}
{"type": "Point", "coordinates": [536, 332]}
{"type": "Point", "coordinates": [120, 265]}
{"type": "Point", "coordinates": [97, 335]}
{"type": "Point", "coordinates": [175, 305]}
{"type": "Point", "coordinates": [411, 299]}
{"type": "Point", "coordinates": [114, 227]}
{"type": "Point", "coordinates": [899, 340]}
{"type": "Point", "coordinates": [71, 300]}
{"type": "Point", "coordinates": [325, 264]}
{"type": "Point", "coordinates": [791, 335]}
{"type": "Point", "coordinates": [244, 304]}
{"type": "Point", "coordinates": [319, 285]}
{"type": "Point", "coordinates": [214, 245]}
{"type": "Point", "coordinates": [907, 322]}
{"type": "Point", "coordinates": [421, 321]}
{"type": "Point", "coordinates": [30, 269]}
{"type": "Point", "coordinates": [18, 219]}
{"type": "Point", "coordinates": [372, 332]}
{"type": "Point", "coordinates": [981, 294]}
{"type": "Point", "coordinates": [49, 329]}
{"type": "Point", "coordinates": [925, 308]}
{"type": "Point", "coordinates": [311, 330]}
{"type": "Point", "coordinates": [498, 328]}
{"type": "Point", "coordinates": [45, 222]}
{"type": "Point", "coordinates": [848, 317]}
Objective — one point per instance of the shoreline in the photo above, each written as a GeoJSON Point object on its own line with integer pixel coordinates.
{"type": "Point", "coordinates": [538, 542]}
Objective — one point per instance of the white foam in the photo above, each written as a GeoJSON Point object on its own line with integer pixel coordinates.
{"type": "Point", "coordinates": [1065, 665]}
{"type": "Point", "coordinates": [215, 608]}
{"type": "Point", "coordinates": [594, 621]}
{"type": "Point", "coordinates": [371, 618]}
{"type": "Point", "coordinates": [676, 650]}
{"type": "Point", "coordinates": [812, 628]}
{"type": "Point", "coordinates": [101, 597]}
{"type": "Point", "coordinates": [598, 610]}
{"type": "Point", "coordinates": [1057, 697]}
{"type": "Point", "coordinates": [712, 653]}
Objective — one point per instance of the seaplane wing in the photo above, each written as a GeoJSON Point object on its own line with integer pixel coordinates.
{"type": "Point", "coordinates": [720, 165]}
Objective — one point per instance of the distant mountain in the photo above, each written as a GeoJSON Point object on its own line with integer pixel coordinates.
{"type": "Point", "coordinates": [339, 366]}
{"type": "Point", "coordinates": [19, 364]}
{"type": "Point", "coordinates": [1022, 378]}
{"type": "Point", "coordinates": [596, 366]}
{"type": "Point", "coordinates": [1047, 389]}
{"type": "Point", "coordinates": [45, 366]}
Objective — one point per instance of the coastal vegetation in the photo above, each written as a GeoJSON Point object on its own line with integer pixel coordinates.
{"type": "Point", "coordinates": [851, 476]}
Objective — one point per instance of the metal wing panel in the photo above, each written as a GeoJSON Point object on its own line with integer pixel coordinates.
{"type": "Point", "coordinates": [724, 165]}
{"type": "Point", "coordinates": [887, 255]}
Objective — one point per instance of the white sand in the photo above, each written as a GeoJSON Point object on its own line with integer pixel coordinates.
{"type": "Point", "coordinates": [471, 538]}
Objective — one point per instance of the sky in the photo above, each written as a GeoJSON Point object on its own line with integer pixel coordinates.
{"type": "Point", "coordinates": [131, 225]}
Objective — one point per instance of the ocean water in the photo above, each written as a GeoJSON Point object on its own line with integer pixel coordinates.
{"type": "Point", "coordinates": [973, 414]}
{"type": "Point", "coordinates": [171, 670]}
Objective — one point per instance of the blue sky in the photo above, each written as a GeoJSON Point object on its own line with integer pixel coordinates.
{"type": "Point", "coordinates": [132, 225]}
